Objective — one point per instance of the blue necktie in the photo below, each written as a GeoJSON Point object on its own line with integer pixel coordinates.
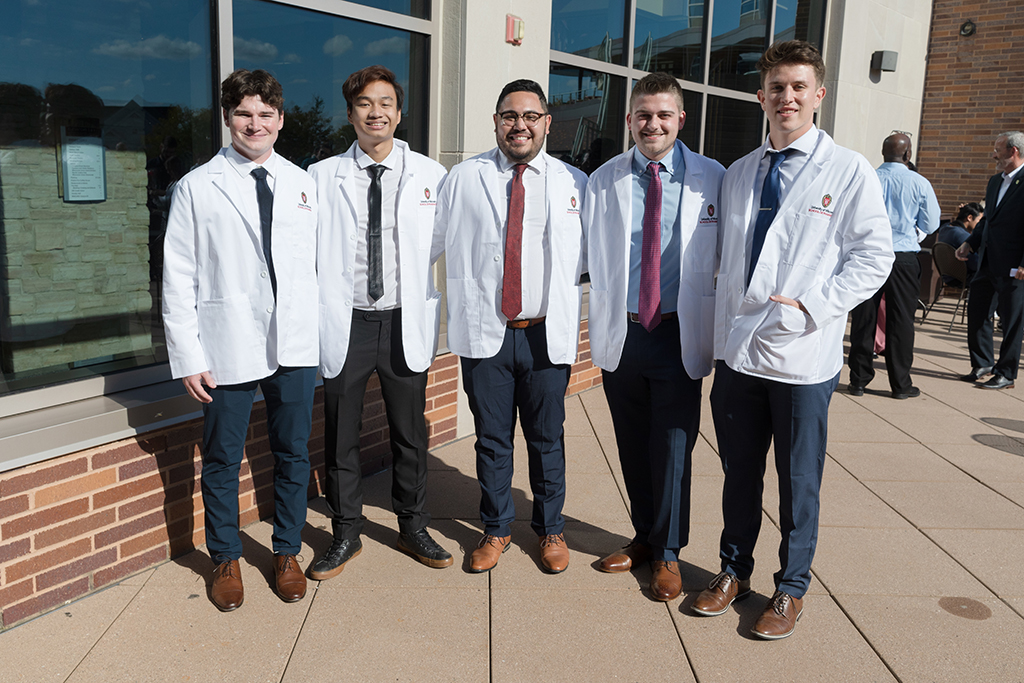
{"type": "Point", "coordinates": [265, 199]}
{"type": "Point", "coordinates": [769, 207]}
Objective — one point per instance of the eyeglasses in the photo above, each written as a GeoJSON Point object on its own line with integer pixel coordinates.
{"type": "Point", "coordinates": [509, 118]}
{"type": "Point", "coordinates": [902, 132]}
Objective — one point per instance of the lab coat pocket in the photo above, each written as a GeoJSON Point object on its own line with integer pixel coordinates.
{"type": "Point", "coordinates": [464, 306]}
{"type": "Point", "coordinates": [701, 250]}
{"type": "Point", "coordinates": [227, 331]}
{"type": "Point", "coordinates": [786, 344]}
{"type": "Point", "coordinates": [807, 241]}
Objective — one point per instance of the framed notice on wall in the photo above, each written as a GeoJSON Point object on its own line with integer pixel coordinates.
{"type": "Point", "coordinates": [82, 166]}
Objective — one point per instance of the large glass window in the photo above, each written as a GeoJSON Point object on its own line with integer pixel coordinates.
{"type": "Point", "coordinates": [738, 38]}
{"type": "Point", "coordinates": [589, 28]}
{"type": "Point", "coordinates": [669, 37]}
{"type": "Point", "coordinates": [312, 54]}
{"type": "Point", "coordinates": [733, 129]}
{"type": "Point", "coordinates": [800, 20]}
{"type": "Point", "coordinates": [587, 116]}
{"type": "Point", "coordinates": [98, 118]}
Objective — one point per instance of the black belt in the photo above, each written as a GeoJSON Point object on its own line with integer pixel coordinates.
{"type": "Point", "coordinates": [635, 317]}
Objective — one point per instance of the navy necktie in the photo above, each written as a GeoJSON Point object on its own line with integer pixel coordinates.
{"type": "Point", "coordinates": [374, 242]}
{"type": "Point", "coordinates": [769, 207]}
{"type": "Point", "coordinates": [265, 199]}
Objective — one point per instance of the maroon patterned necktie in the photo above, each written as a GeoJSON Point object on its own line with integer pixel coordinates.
{"type": "Point", "coordinates": [512, 282]}
{"type": "Point", "coordinates": [650, 253]}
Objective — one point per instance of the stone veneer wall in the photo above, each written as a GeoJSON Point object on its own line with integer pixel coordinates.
{"type": "Point", "coordinates": [79, 522]}
{"type": "Point", "coordinates": [69, 263]}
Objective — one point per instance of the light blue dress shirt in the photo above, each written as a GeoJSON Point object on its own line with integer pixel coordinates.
{"type": "Point", "coordinates": [911, 203]}
{"type": "Point", "coordinates": [671, 196]}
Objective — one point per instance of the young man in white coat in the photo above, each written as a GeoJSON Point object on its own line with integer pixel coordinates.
{"type": "Point", "coordinates": [651, 221]}
{"type": "Point", "coordinates": [240, 313]}
{"type": "Point", "coordinates": [805, 238]}
{"type": "Point", "coordinates": [508, 221]}
{"type": "Point", "coordinates": [378, 313]}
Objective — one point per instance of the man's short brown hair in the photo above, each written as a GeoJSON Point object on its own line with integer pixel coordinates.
{"type": "Point", "coordinates": [242, 83]}
{"type": "Point", "coordinates": [655, 84]}
{"type": "Point", "coordinates": [792, 52]}
{"type": "Point", "coordinates": [358, 81]}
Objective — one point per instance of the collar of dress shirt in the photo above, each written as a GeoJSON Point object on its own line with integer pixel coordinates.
{"type": "Point", "coordinates": [670, 161]}
{"type": "Point", "coordinates": [1007, 176]}
{"type": "Point", "coordinates": [365, 161]}
{"type": "Point", "coordinates": [244, 166]}
{"type": "Point", "coordinates": [803, 144]}
{"type": "Point", "coordinates": [504, 165]}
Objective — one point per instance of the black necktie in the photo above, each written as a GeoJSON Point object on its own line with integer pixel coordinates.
{"type": "Point", "coordinates": [265, 198]}
{"type": "Point", "coordinates": [770, 192]}
{"type": "Point", "coordinates": [375, 267]}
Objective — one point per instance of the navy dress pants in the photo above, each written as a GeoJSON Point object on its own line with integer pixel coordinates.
{"type": "Point", "coordinates": [655, 409]}
{"type": "Point", "coordinates": [288, 394]}
{"type": "Point", "coordinates": [748, 413]}
{"type": "Point", "coordinates": [519, 378]}
{"type": "Point", "coordinates": [990, 292]}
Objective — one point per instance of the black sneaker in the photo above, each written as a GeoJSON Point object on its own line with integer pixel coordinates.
{"type": "Point", "coordinates": [420, 545]}
{"type": "Point", "coordinates": [333, 561]}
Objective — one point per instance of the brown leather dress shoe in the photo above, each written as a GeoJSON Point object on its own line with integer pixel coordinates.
{"type": "Point", "coordinates": [666, 584]}
{"type": "Point", "coordinates": [779, 617]}
{"type": "Point", "coordinates": [226, 592]}
{"type": "Point", "coordinates": [291, 582]}
{"type": "Point", "coordinates": [634, 554]}
{"type": "Point", "coordinates": [723, 590]}
{"type": "Point", "coordinates": [487, 553]}
{"type": "Point", "coordinates": [554, 553]}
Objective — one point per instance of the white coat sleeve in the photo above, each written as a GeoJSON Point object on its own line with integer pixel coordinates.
{"type": "Point", "coordinates": [180, 288]}
{"type": "Point", "coordinates": [441, 213]}
{"type": "Point", "coordinates": [865, 257]}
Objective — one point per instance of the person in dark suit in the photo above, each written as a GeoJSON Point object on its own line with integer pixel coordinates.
{"type": "Point", "coordinates": [999, 242]}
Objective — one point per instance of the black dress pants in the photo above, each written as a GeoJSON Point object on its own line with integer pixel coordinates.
{"type": "Point", "coordinates": [375, 344]}
{"type": "Point", "coordinates": [900, 291]}
{"type": "Point", "coordinates": [989, 292]}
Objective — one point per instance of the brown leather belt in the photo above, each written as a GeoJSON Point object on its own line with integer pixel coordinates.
{"type": "Point", "coordinates": [635, 317]}
{"type": "Point", "coordinates": [523, 324]}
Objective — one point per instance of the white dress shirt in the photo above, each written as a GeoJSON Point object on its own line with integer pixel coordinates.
{"type": "Point", "coordinates": [389, 236]}
{"type": "Point", "coordinates": [1007, 178]}
{"type": "Point", "coordinates": [536, 267]}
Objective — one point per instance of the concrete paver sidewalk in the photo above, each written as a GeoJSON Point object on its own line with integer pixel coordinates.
{"type": "Point", "coordinates": [919, 574]}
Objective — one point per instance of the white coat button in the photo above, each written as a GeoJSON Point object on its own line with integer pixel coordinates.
{"type": "Point", "coordinates": [497, 258]}
{"type": "Point", "coordinates": [270, 309]}
{"type": "Point", "coordinates": [263, 274]}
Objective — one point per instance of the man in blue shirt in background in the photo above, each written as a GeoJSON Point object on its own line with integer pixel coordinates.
{"type": "Point", "coordinates": [911, 204]}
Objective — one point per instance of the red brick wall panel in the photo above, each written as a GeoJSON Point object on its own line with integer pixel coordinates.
{"type": "Point", "coordinates": [44, 602]}
{"type": "Point", "coordinates": [82, 567]}
{"type": "Point", "coordinates": [12, 506]}
{"type": "Point", "coordinates": [128, 567]}
{"type": "Point", "coordinates": [13, 482]}
{"type": "Point", "coordinates": [44, 518]}
{"type": "Point", "coordinates": [40, 562]}
{"type": "Point", "coordinates": [73, 528]}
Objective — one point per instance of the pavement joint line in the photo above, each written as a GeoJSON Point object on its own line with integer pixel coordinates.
{"type": "Point", "coordinates": [924, 533]}
{"type": "Point", "coordinates": [604, 453]}
{"type": "Point", "coordinates": [298, 634]}
{"type": "Point", "coordinates": [109, 626]}
{"type": "Point", "coordinates": [864, 637]}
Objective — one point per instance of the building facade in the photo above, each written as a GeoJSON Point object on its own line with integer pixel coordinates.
{"type": "Point", "coordinates": [99, 448]}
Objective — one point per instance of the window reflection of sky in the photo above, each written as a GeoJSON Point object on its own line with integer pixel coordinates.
{"type": "Point", "coordinates": [579, 25]}
{"type": "Point", "coordinates": [312, 54]}
{"type": "Point", "coordinates": [119, 49]}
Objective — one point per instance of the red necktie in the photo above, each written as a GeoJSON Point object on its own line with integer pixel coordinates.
{"type": "Point", "coordinates": [650, 253]}
{"type": "Point", "coordinates": [512, 282]}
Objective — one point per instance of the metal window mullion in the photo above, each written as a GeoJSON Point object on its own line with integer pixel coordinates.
{"type": "Point", "coordinates": [629, 47]}
{"type": "Point", "coordinates": [225, 59]}
{"type": "Point", "coordinates": [349, 10]}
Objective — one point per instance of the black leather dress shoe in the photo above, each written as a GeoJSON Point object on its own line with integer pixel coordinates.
{"type": "Point", "coordinates": [333, 561]}
{"type": "Point", "coordinates": [855, 390]}
{"type": "Point", "coordinates": [976, 373]}
{"type": "Point", "coordinates": [420, 545]}
{"type": "Point", "coordinates": [997, 382]}
{"type": "Point", "coordinates": [912, 392]}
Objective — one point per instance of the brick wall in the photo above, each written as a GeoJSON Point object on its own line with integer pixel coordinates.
{"type": "Point", "coordinates": [77, 523]}
{"type": "Point", "coordinates": [974, 89]}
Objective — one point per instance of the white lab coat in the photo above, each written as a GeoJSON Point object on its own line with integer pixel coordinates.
{"type": "Point", "coordinates": [607, 223]}
{"type": "Point", "coordinates": [336, 255]}
{"type": "Point", "coordinates": [830, 247]}
{"type": "Point", "coordinates": [470, 230]}
{"type": "Point", "coordinates": [218, 303]}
